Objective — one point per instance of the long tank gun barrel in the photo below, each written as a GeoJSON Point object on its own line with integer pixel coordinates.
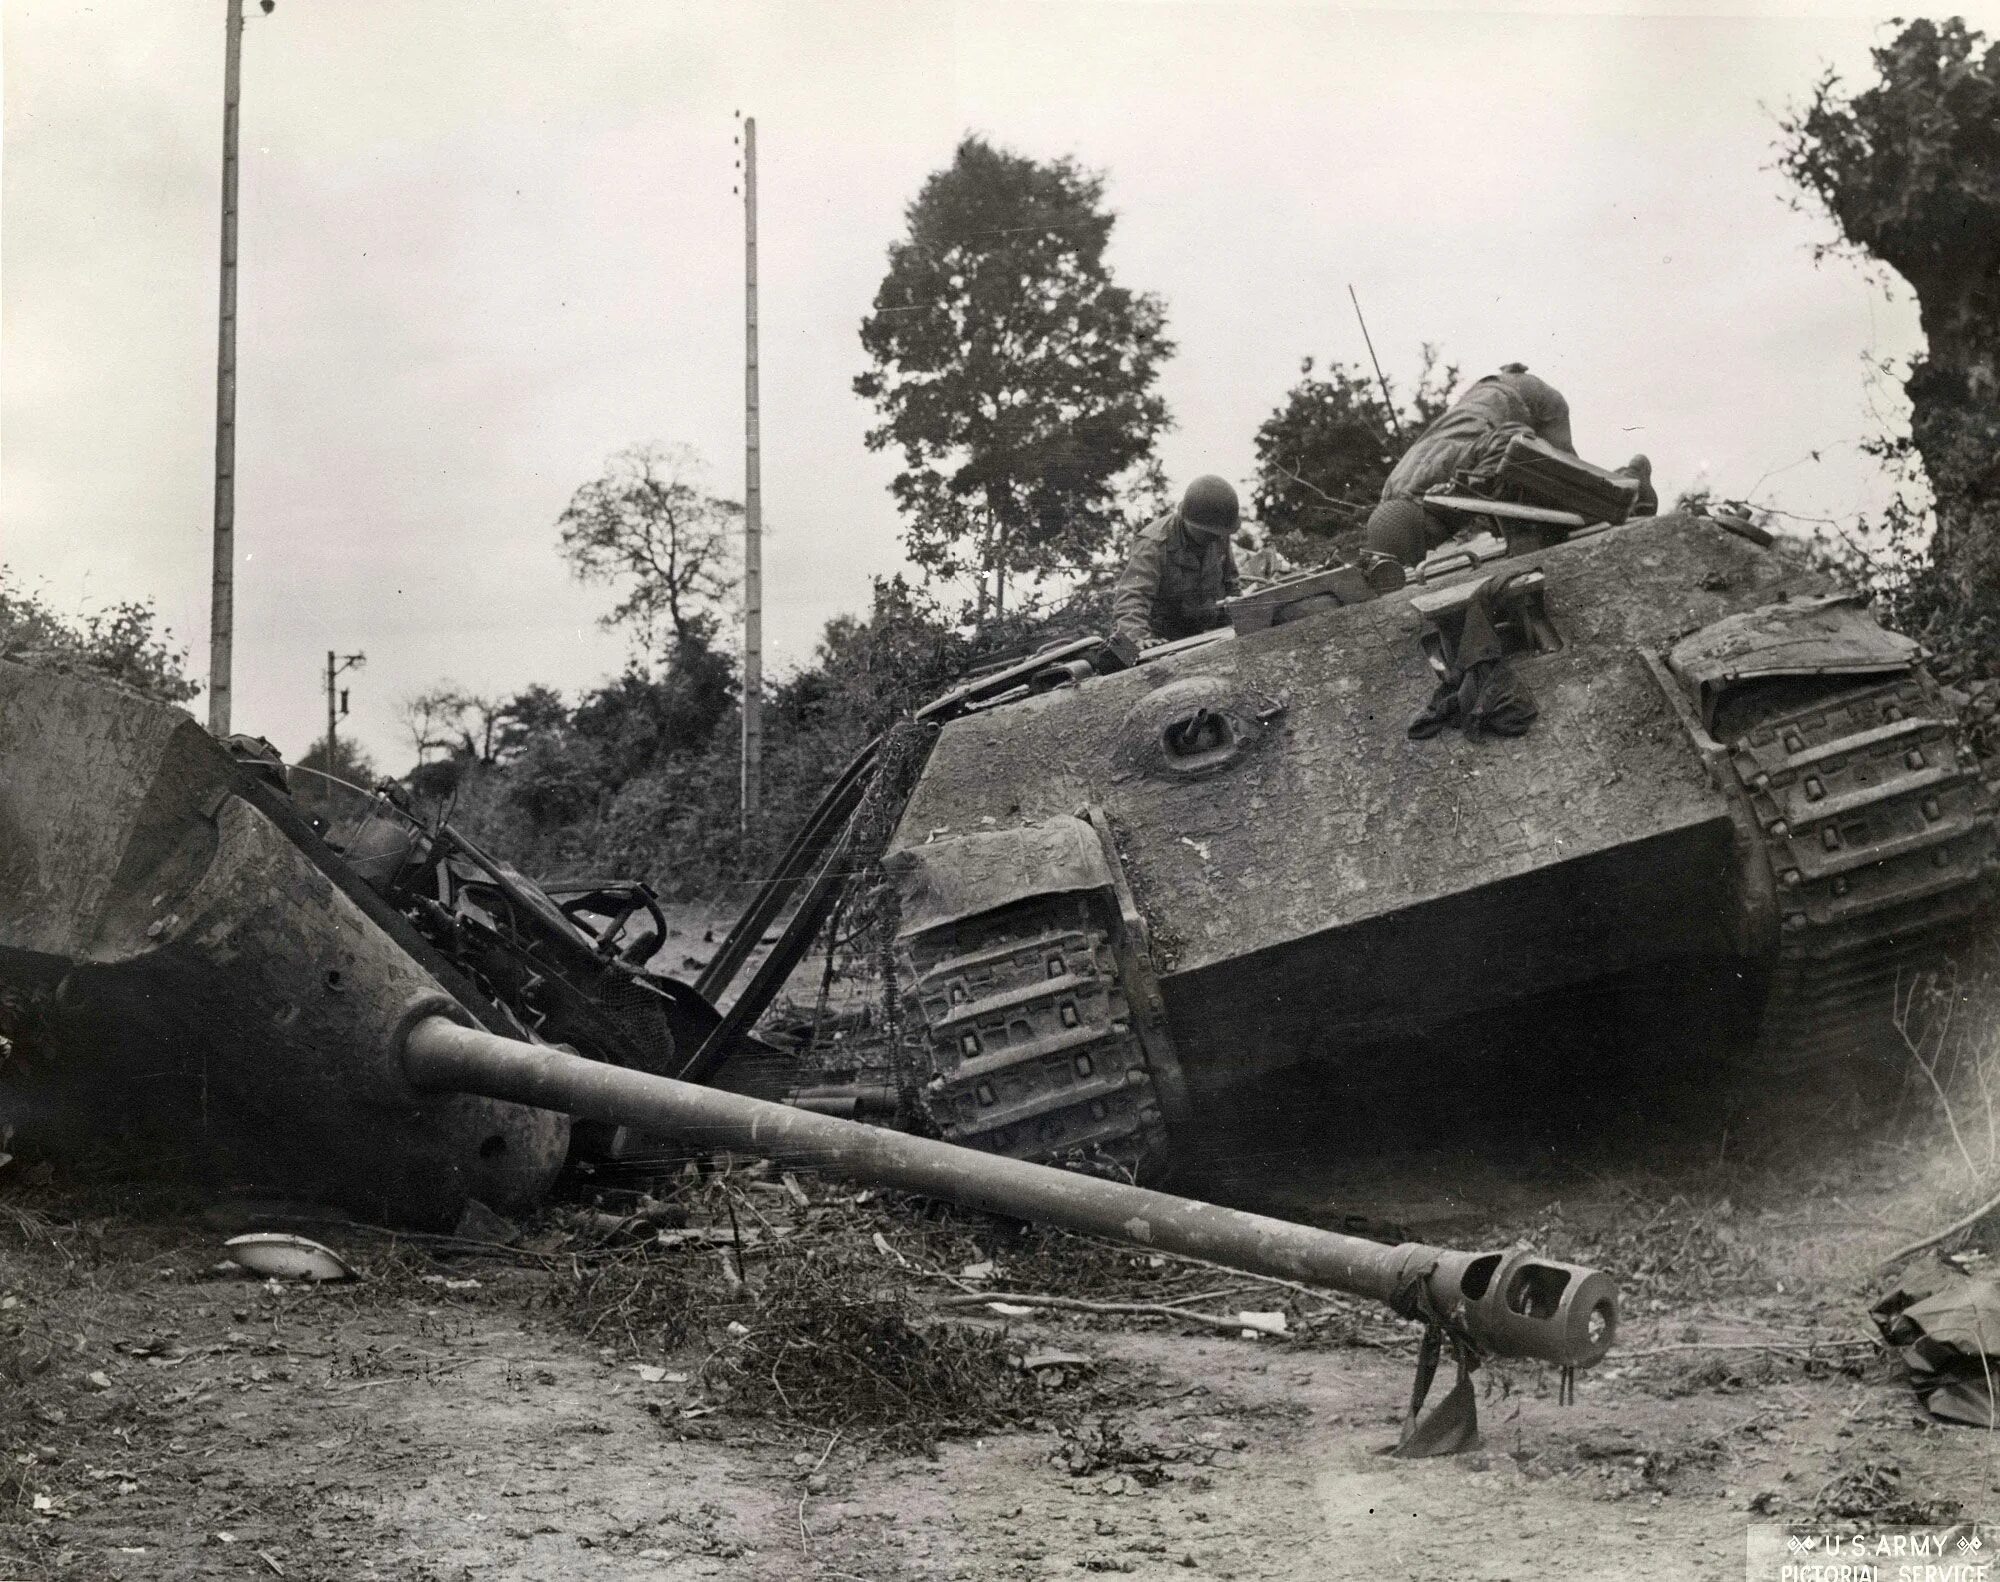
{"type": "Point", "coordinates": [1508, 1304]}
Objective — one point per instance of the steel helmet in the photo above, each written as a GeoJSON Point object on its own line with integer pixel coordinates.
{"type": "Point", "coordinates": [1210, 505]}
{"type": "Point", "coordinates": [1401, 527]}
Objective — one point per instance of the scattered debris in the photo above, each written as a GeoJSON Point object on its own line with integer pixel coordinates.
{"type": "Point", "coordinates": [826, 1347]}
{"type": "Point", "coordinates": [479, 1223]}
{"type": "Point", "coordinates": [1098, 1447]}
{"type": "Point", "coordinates": [1035, 1361]}
{"type": "Point", "coordinates": [1874, 1491]}
{"type": "Point", "coordinates": [1120, 1445]}
{"type": "Point", "coordinates": [1945, 1325]}
{"type": "Point", "coordinates": [1019, 1303]}
{"type": "Point", "coordinates": [277, 1256]}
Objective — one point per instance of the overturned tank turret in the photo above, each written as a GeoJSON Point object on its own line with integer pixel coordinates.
{"type": "Point", "coordinates": [183, 960]}
{"type": "Point", "coordinates": [1743, 811]}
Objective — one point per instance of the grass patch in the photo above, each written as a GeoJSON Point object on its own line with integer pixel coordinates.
{"type": "Point", "coordinates": [822, 1344]}
{"type": "Point", "coordinates": [815, 1310]}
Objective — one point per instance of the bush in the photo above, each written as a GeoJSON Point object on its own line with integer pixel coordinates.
{"type": "Point", "coordinates": [119, 643]}
{"type": "Point", "coordinates": [641, 779]}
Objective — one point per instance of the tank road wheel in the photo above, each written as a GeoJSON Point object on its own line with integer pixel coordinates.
{"type": "Point", "coordinates": [1020, 1037]}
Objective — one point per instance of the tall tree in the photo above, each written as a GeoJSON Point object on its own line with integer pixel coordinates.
{"type": "Point", "coordinates": [649, 526]}
{"type": "Point", "coordinates": [1014, 375]}
{"type": "Point", "coordinates": [1324, 453]}
{"type": "Point", "coordinates": [641, 718]}
{"type": "Point", "coordinates": [1909, 169]}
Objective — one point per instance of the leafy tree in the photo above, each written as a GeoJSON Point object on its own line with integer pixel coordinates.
{"type": "Point", "coordinates": [553, 783]}
{"type": "Point", "coordinates": [448, 719]}
{"type": "Point", "coordinates": [463, 724]}
{"type": "Point", "coordinates": [868, 673]}
{"type": "Point", "coordinates": [121, 642]}
{"type": "Point", "coordinates": [535, 714]}
{"type": "Point", "coordinates": [649, 526]}
{"type": "Point", "coordinates": [480, 721]}
{"type": "Point", "coordinates": [1014, 375]}
{"type": "Point", "coordinates": [1909, 169]}
{"type": "Point", "coordinates": [1325, 452]}
{"type": "Point", "coordinates": [640, 719]}
{"type": "Point", "coordinates": [438, 780]}
{"type": "Point", "coordinates": [348, 762]}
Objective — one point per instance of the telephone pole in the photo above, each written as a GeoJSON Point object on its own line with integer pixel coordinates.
{"type": "Point", "coordinates": [333, 669]}
{"type": "Point", "coordinates": [222, 590]}
{"type": "Point", "coordinates": [753, 500]}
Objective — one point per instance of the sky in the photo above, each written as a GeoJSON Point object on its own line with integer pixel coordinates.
{"type": "Point", "coordinates": [487, 243]}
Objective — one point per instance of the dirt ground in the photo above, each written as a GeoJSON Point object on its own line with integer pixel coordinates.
{"type": "Point", "coordinates": [447, 1415]}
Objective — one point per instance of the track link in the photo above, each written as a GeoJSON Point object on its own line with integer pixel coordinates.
{"type": "Point", "coordinates": [1880, 836]}
{"type": "Point", "coordinates": [1023, 1037]}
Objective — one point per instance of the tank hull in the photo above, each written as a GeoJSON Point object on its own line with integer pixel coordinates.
{"type": "Point", "coordinates": [1318, 887]}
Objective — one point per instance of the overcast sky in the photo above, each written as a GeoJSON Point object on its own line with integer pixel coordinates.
{"type": "Point", "coordinates": [486, 243]}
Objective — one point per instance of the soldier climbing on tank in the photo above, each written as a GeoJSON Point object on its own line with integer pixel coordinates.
{"type": "Point", "coordinates": [1461, 452]}
{"type": "Point", "coordinates": [1181, 569]}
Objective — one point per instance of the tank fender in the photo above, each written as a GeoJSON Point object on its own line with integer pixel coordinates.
{"type": "Point", "coordinates": [1832, 635]}
{"type": "Point", "coordinates": [953, 877]}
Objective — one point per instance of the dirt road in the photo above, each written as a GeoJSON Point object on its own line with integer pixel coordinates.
{"type": "Point", "coordinates": [449, 1417]}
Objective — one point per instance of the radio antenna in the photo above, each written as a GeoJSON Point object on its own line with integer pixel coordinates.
{"type": "Point", "coordinates": [1388, 405]}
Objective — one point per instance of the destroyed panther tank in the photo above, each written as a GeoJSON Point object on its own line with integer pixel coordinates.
{"type": "Point", "coordinates": [1131, 901]}
{"type": "Point", "coordinates": [369, 1015]}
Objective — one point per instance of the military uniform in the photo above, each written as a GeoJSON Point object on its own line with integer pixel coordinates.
{"type": "Point", "coordinates": [1174, 582]}
{"type": "Point", "coordinates": [1477, 428]}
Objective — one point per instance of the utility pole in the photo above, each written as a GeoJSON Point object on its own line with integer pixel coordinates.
{"type": "Point", "coordinates": [753, 500]}
{"type": "Point", "coordinates": [222, 588]}
{"type": "Point", "coordinates": [333, 669]}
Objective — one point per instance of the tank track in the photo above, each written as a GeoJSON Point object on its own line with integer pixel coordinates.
{"type": "Point", "coordinates": [1880, 836]}
{"type": "Point", "coordinates": [1023, 1039]}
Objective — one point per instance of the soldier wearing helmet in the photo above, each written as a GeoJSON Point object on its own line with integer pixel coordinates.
{"type": "Point", "coordinates": [1461, 446]}
{"type": "Point", "coordinates": [1181, 568]}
